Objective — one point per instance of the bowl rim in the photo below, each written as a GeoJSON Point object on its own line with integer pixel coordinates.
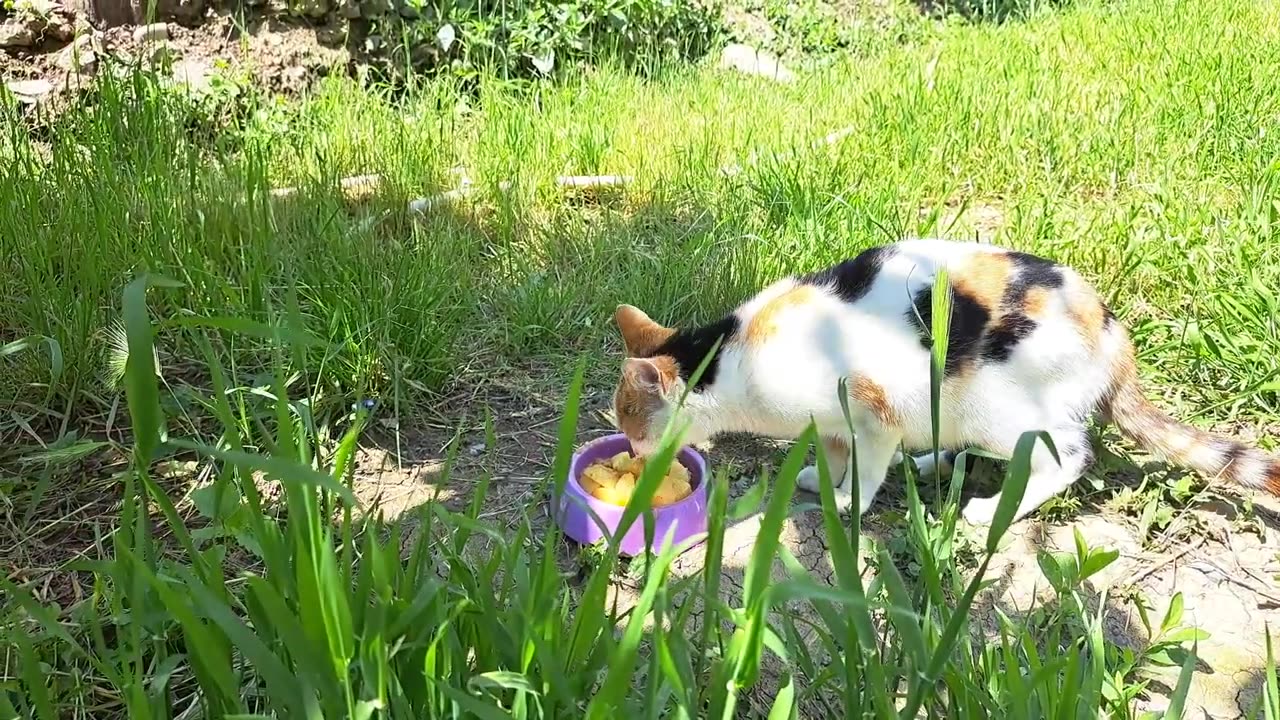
{"type": "Point", "coordinates": [700, 470]}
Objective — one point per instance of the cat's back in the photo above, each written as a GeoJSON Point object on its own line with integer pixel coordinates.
{"type": "Point", "coordinates": [885, 279]}
{"type": "Point", "coordinates": [1003, 301]}
{"type": "Point", "coordinates": [999, 297]}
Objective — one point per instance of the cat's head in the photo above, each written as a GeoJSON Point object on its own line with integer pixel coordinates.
{"type": "Point", "coordinates": [650, 385]}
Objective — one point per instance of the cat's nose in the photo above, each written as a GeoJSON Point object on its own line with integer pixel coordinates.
{"type": "Point", "coordinates": [642, 447]}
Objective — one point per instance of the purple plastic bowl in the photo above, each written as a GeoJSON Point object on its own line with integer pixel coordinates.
{"type": "Point", "coordinates": [683, 519]}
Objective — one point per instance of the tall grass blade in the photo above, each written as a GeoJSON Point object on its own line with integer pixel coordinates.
{"type": "Point", "coordinates": [1178, 699]}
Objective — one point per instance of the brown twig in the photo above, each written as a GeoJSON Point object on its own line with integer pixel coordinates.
{"type": "Point", "coordinates": [1181, 553]}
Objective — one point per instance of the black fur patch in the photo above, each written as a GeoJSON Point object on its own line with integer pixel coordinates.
{"type": "Point", "coordinates": [1232, 453]}
{"type": "Point", "coordinates": [968, 321]}
{"type": "Point", "coordinates": [690, 347]}
{"type": "Point", "coordinates": [852, 278]}
{"type": "Point", "coordinates": [1000, 340]}
{"type": "Point", "coordinates": [1029, 272]}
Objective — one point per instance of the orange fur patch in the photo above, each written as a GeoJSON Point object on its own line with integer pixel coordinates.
{"type": "Point", "coordinates": [1034, 303]}
{"type": "Point", "coordinates": [984, 278]}
{"type": "Point", "coordinates": [640, 333]}
{"type": "Point", "coordinates": [1087, 313]}
{"type": "Point", "coordinates": [837, 452]}
{"type": "Point", "coordinates": [1273, 478]}
{"type": "Point", "coordinates": [870, 395]}
{"type": "Point", "coordinates": [764, 323]}
{"type": "Point", "coordinates": [634, 402]}
{"type": "Point", "coordinates": [836, 446]}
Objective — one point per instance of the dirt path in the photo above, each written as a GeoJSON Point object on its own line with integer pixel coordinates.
{"type": "Point", "coordinates": [1224, 561]}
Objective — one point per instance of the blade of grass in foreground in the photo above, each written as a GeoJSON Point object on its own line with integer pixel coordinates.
{"type": "Point", "coordinates": [747, 644]}
{"type": "Point", "coordinates": [859, 643]}
{"type": "Point", "coordinates": [611, 700]}
{"type": "Point", "coordinates": [1177, 701]}
{"type": "Point", "coordinates": [1270, 698]}
{"type": "Point", "coordinates": [141, 388]}
{"type": "Point", "coordinates": [1012, 490]}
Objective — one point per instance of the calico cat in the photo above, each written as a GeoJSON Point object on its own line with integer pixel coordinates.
{"type": "Point", "coordinates": [1031, 347]}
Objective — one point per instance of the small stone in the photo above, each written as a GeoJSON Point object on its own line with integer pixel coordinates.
{"type": "Point", "coordinates": [16, 34]}
{"type": "Point", "coordinates": [155, 32]}
{"type": "Point", "coordinates": [81, 56]}
{"type": "Point", "coordinates": [194, 74]}
{"type": "Point", "coordinates": [163, 55]}
{"type": "Point", "coordinates": [29, 92]}
{"type": "Point", "coordinates": [754, 61]}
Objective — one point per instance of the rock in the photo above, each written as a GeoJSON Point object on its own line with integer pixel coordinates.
{"type": "Point", "coordinates": [155, 32]}
{"type": "Point", "coordinates": [15, 34]}
{"type": "Point", "coordinates": [374, 8]}
{"type": "Point", "coordinates": [194, 74]}
{"type": "Point", "coordinates": [45, 19]}
{"type": "Point", "coordinates": [81, 56]}
{"type": "Point", "coordinates": [753, 61]}
{"type": "Point", "coordinates": [163, 54]}
{"type": "Point", "coordinates": [29, 92]}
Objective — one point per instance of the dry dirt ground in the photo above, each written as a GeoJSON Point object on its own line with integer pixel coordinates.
{"type": "Point", "coordinates": [1222, 558]}
{"type": "Point", "coordinates": [276, 54]}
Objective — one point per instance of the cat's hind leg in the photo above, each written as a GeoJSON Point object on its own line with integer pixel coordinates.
{"type": "Point", "coordinates": [1048, 476]}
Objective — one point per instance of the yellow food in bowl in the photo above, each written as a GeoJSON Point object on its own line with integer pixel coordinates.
{"type": "Point", "coordinates": [614, 480]}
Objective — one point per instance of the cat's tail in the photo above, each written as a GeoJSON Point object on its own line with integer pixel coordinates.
{"type": "Point", "coordinates": [1210, 455]}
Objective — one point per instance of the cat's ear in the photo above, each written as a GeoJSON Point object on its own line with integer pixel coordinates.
{"type": "Point", "coordinates": [640, 334]}
{"type": "Point", "coordinates": [651, 375]}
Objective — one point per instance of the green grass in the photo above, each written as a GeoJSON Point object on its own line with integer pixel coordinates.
{"type": "Point", "coordinates": [1133, 140]}
{"type": "Point", "coordinates": [464, 620]}
{"type": "Point", "coordinates": [1139, 155]}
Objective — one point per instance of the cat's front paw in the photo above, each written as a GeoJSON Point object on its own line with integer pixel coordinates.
{"type": "Point", "coordinates": [808, 479]}
{"type": "Point", "coordinates": [980, 511]}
